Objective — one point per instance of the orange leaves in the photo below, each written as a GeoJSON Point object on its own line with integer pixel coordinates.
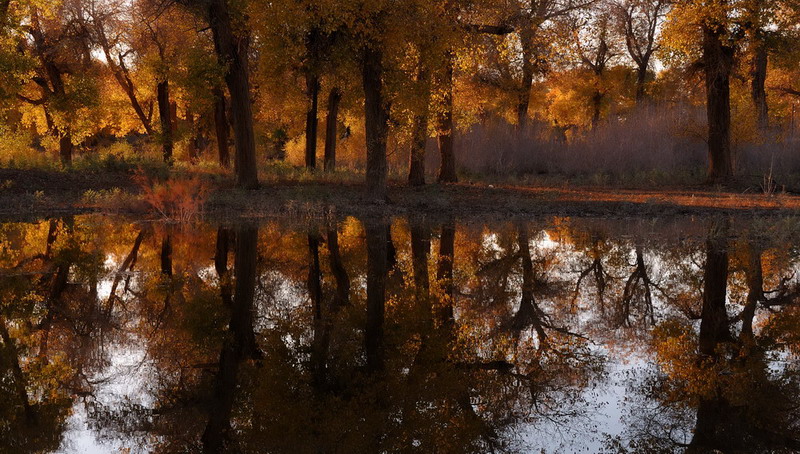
{"type": "Point", "coordinates": [176, 198]}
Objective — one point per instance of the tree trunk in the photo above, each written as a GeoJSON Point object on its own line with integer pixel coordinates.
{"type": "Point", "coordinates": [166, 255]}
{"type": "Point", "coordinates": [419, 140]}
{"type": "Point", "coordinates": [718, 61]}
{"type": "Point", "coordinates": [193, 145]}
{"type": "Point", "coordinates": [376, 114]}
{"type": "Point", "coordinates": [529, 312]}
{"type": "Point", "coordinates": [122, 76]}
{"type": "Point", "coordinates": [419, 133]}
{"type": "Point", "coordinates": [641, 80]}
{"type": "Point", "coordinates": [597, 107]}
{"type": "Point", "coordinates": [757, 86]}
{"type": "Point", "coordinates": [320, 343]}
{"type": "Point", "coordinates": [377, 267]}
{"type": "Point", "coordinates": [17, 375]}
{"type": "Point", "coordinates": [165, 114]}
{"type": "Point", "coordinates": [312, 122]}
{"type": "Point", "coordinates": [244, 291]}
{"type": "Point", "coordinates": [238, 345]}
{"type": "Point", "coordinates": [420, 251]}
{"type": "Point", "coordinates": [445, 126]}
{"type": "Point", "coordinates": [755, 290]}
{"type": "Point", "coordinates": [334, 99]}
{"type": "Point", "coordinates": [444, 269]}
{"type": "Point", "coordinates": [524, 96]}
{"type": "Point", "coordinates": [714, 317]}
{"type": "Point", "coordinates": [65, 148]}
{"type": "Point", "coordinates": [222, 128]}
{"type": "Point", "coordinates": [232, 50]}
{"type": "Point", "coordinates": [223, 246]}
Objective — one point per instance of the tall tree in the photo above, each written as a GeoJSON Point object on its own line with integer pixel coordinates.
{"type": "Point", "coordinates": [229, 28]}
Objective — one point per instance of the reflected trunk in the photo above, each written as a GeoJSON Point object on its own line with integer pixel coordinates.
{"type": "Point", "coordinates": [529, 313]}
{"type": "Point", "coordinates": [239, 343]}
{"type": "Point", "coordinates": [420, 250]}
{"type": "Point", "coordinates": [342, 297]}
{"type": "Point", "coordinates": [166, 255]}
{"type": "Point", "coordinates": [444, 270]}
{"type": "Point", "coordinates": [714, 318]}
{"type": "Point", "coordinates": [224, 242]}
{"type": "Point", "coordinates": [755, 291]}
{"type": "Point", "coordinates": [377, 269]}
{"type": "Point", "coordinates": [18, 376]}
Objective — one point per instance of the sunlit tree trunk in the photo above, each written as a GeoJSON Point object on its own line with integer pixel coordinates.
{"type": "Point", "coordinates": [231, 47]}
{"type": "Point", "coordinates": [376, 113]}
{"type": "Point", "coordinates": [334, 99]}
{"type": "Point", "coordinates": [123, 78]}
{"type": "Point", "coordinates": [718, 61]}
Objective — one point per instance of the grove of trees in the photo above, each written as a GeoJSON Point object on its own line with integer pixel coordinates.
{"type": "Point", "coordinates": [238, 82]}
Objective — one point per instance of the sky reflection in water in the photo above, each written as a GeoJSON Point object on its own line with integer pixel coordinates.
{"type": "Point", "coordinates": [384, 336]}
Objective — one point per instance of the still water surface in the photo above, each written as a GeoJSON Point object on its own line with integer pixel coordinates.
{"type": "Point", "coordinates": [401, 335]}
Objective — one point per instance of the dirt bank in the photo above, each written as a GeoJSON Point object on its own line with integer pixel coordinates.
{"type": "Point", "coordinates": [37, 193]}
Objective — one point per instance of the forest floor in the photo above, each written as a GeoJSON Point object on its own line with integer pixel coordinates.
{"type": "Point", "coordinates": [31, 194]}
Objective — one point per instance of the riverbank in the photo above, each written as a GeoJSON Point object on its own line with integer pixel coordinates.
{"type": "Point", "coordinates": [29, 194]}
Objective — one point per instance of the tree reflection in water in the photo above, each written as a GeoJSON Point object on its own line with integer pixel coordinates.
{"type": "Point", "coordinates": [403, 335]}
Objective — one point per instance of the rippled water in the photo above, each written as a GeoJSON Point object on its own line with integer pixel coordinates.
{"type": "Point", "coordinates": [401, 335]}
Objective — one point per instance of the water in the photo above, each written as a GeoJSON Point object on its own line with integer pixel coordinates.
{"type": "Point", "coordinates": [401, 335]}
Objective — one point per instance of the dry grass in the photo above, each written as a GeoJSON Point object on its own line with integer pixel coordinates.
{"type": "Point", "coordinates": [652, 147]}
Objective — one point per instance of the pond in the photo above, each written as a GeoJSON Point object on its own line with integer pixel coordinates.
{"type": "Point", "coordinates": [400, 335]}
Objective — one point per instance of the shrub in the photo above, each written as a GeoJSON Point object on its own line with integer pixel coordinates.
{"type": "Point", "coordinates": [176, 198]}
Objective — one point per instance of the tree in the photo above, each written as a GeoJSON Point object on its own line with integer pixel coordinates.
{"type": "Point", "coordinates": [594, 44]}
{"type": "Point", "coordinates": [63, 75]}
{"type": "Point", "coordinates": [705, 30]}
{"type": "Point", "coordinates": [640, 21]}
{"type": "Point", "coordinates": [231, 43]}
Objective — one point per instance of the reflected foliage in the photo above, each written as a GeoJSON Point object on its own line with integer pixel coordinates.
{"type": "Point", "coordinates": [396, 335]}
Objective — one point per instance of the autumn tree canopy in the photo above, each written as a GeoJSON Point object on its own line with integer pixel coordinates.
{"type": "Point", "coordinates": [375, 84]}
